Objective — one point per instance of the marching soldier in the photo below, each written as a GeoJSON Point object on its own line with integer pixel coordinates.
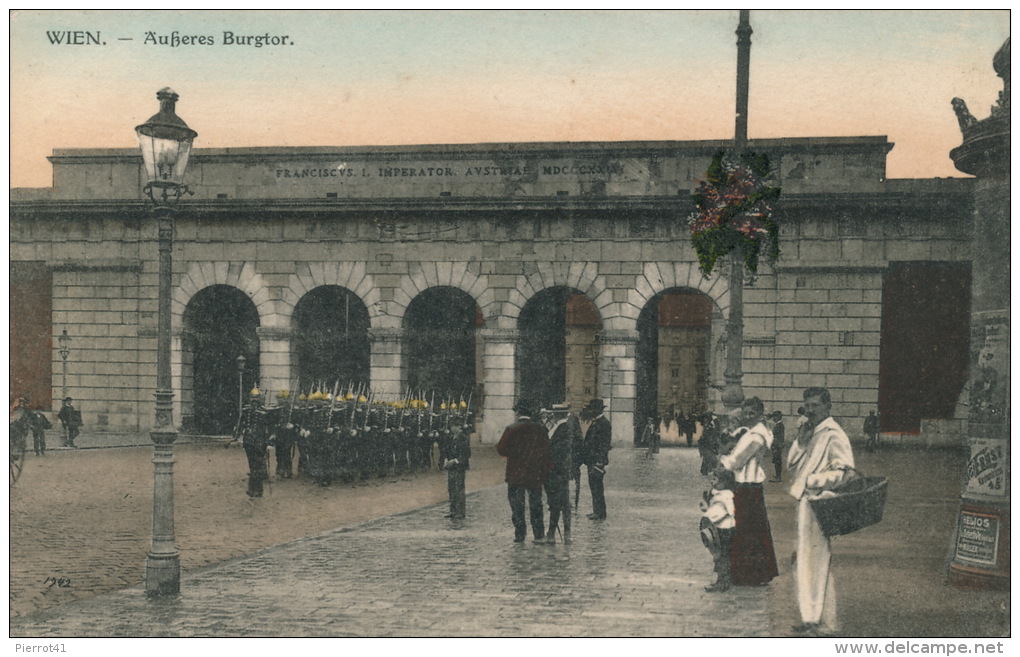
{"type": "Point", "coordinates": [253, 431]}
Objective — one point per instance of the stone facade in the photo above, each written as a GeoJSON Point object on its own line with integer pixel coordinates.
{"type": "Point", "coordinates": [500, 223]}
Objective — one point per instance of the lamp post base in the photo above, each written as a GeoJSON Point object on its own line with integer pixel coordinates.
{"type": "Point", "coordinates": [162, 575]}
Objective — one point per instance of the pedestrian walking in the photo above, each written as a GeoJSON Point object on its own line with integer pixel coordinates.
{"type": "Point", "coordinates": [70, 418]}
{"type": "Point", "coordinates": [557, 483]}
{"type": "Point", "coordinates": [253, 431]}
{"type": "Point", "coordinates": [819, 460]}
{"type": "Point", "coordinates": [38, 424]}
{"type": "Point", "coordinates": [778, 445]}
{"type": "Point", "coordinates": [717, 526]}
{"type": "Point", "coordinates": [752, 556]}
{"type": "Point", "coordinates": [525, 444]}
{"type": "Point", "coordinates": [871, 429]}
{"type": "Point", "coordinates": [598, 440]}
{"type": "Point", "coordinates": [688, 426]}
{"type": "Point", "coordinates": [454, 457]}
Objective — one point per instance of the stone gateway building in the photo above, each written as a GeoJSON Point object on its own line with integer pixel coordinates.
{"type": "Point", "coordinates": [562, 271]}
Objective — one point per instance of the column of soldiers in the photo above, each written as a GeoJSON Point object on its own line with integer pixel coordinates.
{"type": "Point", "coordinates": [344, 437]}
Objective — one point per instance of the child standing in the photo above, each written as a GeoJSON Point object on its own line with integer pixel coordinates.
{"type": "Point", "coordinates": [718, 526]}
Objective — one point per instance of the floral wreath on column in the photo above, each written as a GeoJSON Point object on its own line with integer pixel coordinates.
{"type": "Point", "coordinates": [734, 210]}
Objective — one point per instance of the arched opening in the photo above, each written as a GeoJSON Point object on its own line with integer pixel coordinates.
{"type": "Point", "coordinates": [441, 346]}
{"type": "Point", "coordinates": [330, 340]}
{"type": "Point", "coordinates": [673, 356]}
{"type": "Point", "coordinates": [558, 349]}
{"type": "Point", "coordinates": [220, 324]}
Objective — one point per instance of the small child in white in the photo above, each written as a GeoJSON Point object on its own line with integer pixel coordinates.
{"type": "Point", "coordinates": [718, 526]}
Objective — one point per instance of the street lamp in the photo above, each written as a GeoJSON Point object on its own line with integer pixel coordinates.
{"type": "Point", "coordinates": [240, 384]}
{"type": "Point", "coordinates": [165, 141]}
{"type": "Point", "coordinates": [65, 350]}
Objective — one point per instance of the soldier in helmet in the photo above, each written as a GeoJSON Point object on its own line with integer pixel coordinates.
{"type": "Point", "coordinates": [284, 436]}
{"type": "Point", "coordinates": [253, 431]}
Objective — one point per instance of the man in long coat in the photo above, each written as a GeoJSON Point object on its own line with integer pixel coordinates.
{"type": "Point", "coordinates": [598, 440]}
{"type": "Point", "coordinates": [525, 444]}
{"type": "Point", "coordinates": [818, 461]}
{"type": "Point", "coordinates": [557, 484]}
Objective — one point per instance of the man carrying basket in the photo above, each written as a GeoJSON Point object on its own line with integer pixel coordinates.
{"type": "Point", "coordinates": [819, 459]}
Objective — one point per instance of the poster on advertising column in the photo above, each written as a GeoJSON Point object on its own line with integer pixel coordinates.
{"type": "Point", "coordinates": [986, 469]}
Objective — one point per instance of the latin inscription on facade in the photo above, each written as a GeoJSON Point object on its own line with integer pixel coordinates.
{"type": "Point", "coordinates": [461, 171]}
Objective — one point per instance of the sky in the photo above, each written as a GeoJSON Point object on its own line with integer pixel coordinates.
{"type": "Point", "coordinates": [354, 78]}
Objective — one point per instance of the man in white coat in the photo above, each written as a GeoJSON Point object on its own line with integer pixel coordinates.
{"type": "Point", "coordinates": [818, 461]}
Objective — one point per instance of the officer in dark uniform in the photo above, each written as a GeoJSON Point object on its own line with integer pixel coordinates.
{"type": "Point", "coordinates": [253, 431]}
{"type": "Point", "coordinates": [454, 456]}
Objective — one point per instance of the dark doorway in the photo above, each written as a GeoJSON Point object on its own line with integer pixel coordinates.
{"type": "Point", "coordinates": [331, 340]}
{"type": "Point", "coordinates": [674, 344]}
{"type": "Point", "coordinates": [925, 343]}
{"type": "Point", "coordinates": [558, 348]}
{"type": "Point", "coordinates": [441, 347]}
{"type": "Point", "coordinates": [30, 325]}
{"type": "Point", "coordinates": [219, 325]}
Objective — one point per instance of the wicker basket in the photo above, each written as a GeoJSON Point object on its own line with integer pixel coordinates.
{"type": "Point", "coordinates": [857, 504]}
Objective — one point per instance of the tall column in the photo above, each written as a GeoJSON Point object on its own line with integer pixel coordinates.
{"type": "Point", "coordinates": [386, 367]}
{"type": "Point", "coordinates": [275, 372]}
{"type": "Point", "coordinates": [618, 381]}
{"type": "Point", "coordinates": [500, 381]}
{"type": "Point", "coordinates": [733, 393]}
{"type": "Point", "coordinates": [981, 543]}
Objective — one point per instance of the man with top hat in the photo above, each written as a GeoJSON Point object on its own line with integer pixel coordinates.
{"type": "Point", "coordinates": [525, 444]}
{"type": "Point", "coordinates": [598, 440]}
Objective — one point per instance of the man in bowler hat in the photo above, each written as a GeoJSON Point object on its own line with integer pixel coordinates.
{"type": "Point", "coordinates": [525, 444]}
{"type": "Point", "coordinates": [598, 440]}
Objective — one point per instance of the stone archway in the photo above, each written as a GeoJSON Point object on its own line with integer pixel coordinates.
{"type": "Point", "coordinates": [674, 355]}
{"type": "Point", "coordinates": [219, 324]}
{"type": "Point", "coordinates": [441, 350]}
{"type": "Point", "coordinates": [559, 345]}
{"type": "Point", "coordinates": [330, 342]}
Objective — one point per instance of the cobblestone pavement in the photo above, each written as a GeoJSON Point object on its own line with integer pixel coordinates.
{"type": "Point", "coordinates": [380, 560]}
{"type": "Point", "coordinates": [640, 573]}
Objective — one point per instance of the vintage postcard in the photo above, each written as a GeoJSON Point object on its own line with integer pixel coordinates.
{"type": "Point", "coordinates": [307, 307]}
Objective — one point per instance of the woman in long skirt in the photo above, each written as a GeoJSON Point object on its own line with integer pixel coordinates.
{"type": "Point", "coordinates": [752, 555]}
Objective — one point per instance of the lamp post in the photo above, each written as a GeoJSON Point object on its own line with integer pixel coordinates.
{"type": "Point", "coordinates": [165, 141]}
{"type": "Point", "coordinates": [240, 384]}
{"type": "Point", "coordinates": [65, 350]}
